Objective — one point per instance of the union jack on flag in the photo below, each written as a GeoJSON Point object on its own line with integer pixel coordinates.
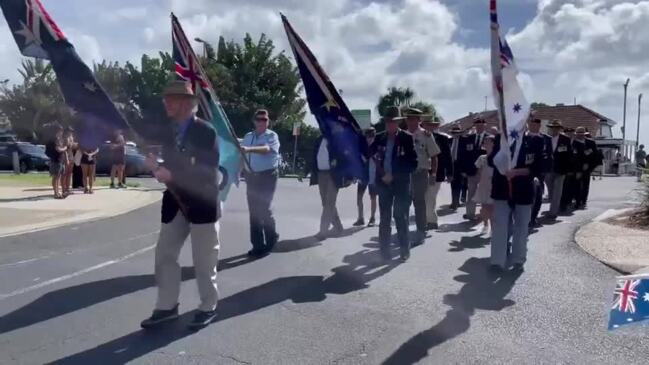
{"type": "Point", "coordinates": [630, 301]}
{"type": "Point", "coordinates": [188, 68]}
{"type": "Point", "coordinates": [37, 35]}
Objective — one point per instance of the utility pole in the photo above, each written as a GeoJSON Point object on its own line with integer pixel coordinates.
{"type": "Point", "coordinates": [637, 142]}
{"type": "Point", "coordinates": [486, 99]}
{"type": "Point", "coordinates": [626, 86]}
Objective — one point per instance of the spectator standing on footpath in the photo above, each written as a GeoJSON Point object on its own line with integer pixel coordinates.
{"type": "Point", "coordinates": [55, 149]}
{"type": "Point", "coordinates": [190, 206]}
{"type": "Point", "coordinates": [261, 148]}
{"type": "Point", "coordinates": [427, 151]}
{"type": "Point", "coordinates": [370, 134]}
{"type": "Point", "coordinates": [323, 164]}
{"type": "Point", "coordinates": [396, 159]}
{"type": "Point", "coordinates": [444, 169]}
{"type": "Point", "coordinates": [118, 149]}
{"type": "Point", "coordinates": [68, 170]}
{"type": "Point", "coordinates": [88, 167]}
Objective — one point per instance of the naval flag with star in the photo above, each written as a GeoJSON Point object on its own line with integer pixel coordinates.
{"type": "Point", "coordinates": [512, 105]}
{"type": "Point", "coordinates": [188, 68]}
{"type": "Point", "coordinates": [37, 35]}
{"type": "Point", "coordinates": [630, 301]}
{"type": "Point", "coordinates": [347, 145]}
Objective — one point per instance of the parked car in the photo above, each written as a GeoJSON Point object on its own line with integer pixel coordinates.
{"type": "Point", "coordinates": [30, 156]}
{"type": "Point", "coordinates": [135, 161]}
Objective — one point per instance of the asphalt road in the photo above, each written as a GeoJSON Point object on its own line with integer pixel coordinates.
{"type": "Point", "coordinates": [76, 295]}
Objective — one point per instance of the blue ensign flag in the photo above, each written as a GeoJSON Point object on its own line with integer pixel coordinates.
{"type": "Point", "coordinates": [630, 301]}
{"type": "Point", "coordinates": [347, 144]}
{"type": "Point", "coordinates": [37, 35]}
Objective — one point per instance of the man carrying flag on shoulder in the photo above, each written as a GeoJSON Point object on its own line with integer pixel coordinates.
{"type": "Point", "coordinates": [517, 158]}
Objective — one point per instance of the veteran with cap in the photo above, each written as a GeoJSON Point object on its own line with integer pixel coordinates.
{"type": "Point", "coordinates": [427, 151]}
{"type": "Point", "coordinates": [561, 165]}
{"type": "Point", "coordinates": [444, 171]}
{"type": "Point", "coordinates": [396, 159]}
{"type": "Point", "coordinates": [458, 183]}
{"type": "Point", "coordinates": [468, 155]}
{"type": "Point", "coordinates": [189, 207]}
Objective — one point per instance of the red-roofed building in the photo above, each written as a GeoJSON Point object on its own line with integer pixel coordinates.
{"type": "Point", "coordinates": [571, 116]}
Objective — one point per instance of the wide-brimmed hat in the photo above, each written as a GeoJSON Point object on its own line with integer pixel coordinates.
{"type": "Point", "coordinates": [580, 130]}
{"type": "Point", "coordinates": [414, 113]}
{"type": "Point", "coordinates": [427, 119]}
{"type": "Point", "coordinates": [393, 113]}
{"type": "Point", "coordinates": [555, 124]}
{"type": "Point", "coordinates": [456, 129]}
{"type": "Point", "coordinates": [179, 88]}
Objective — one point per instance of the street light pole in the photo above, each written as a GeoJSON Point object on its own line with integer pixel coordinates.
{"type": "Point", "coordinates": [626, 86]}
{"type": "Point", "coordinates": [199, 40]}
{"type": "Point", "coordinates": [637, 143]}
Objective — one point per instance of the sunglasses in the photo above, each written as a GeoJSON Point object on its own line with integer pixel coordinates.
{"type": "Point", "coordinates": [261, 120]}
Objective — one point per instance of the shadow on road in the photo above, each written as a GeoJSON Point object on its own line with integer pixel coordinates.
{"type": "Point", "coordinates": [359, 269]}
{"type": "Point", "coordinates": [57, 303]}
{"type": "Point", "coordinates": [464, 227]}
{"type": "Point", "coordinates": [307, 242]}
{"type": "Point", "coordinates": [29, 198]}
{"type": "Point", "coordinates": [468, 242]}
{"type": "Point", "coordinates": [481, 291]}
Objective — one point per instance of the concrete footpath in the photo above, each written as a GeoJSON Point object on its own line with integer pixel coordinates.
{"type": "Point", "coordinates": [28, 209]}
{"type": "Point", "coordinates": [622, 248]}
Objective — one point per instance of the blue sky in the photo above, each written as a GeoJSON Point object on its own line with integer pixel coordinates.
{"type": "Point", "coordinates": [565, 48]}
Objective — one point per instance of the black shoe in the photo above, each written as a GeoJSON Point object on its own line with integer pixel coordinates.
{"type": "Point", "coordinates": [202, 319]}
{"type": "Point", "coordinates": [518, 268]}
{"type": "Point", "coordinates": [453, 207]}
{"type": "Point", "coordinates": [496, 269]}
{"type": "Point", "coordinates": [469, 217]}
{"type": "Point", "coordinates": [112, 186]}
{"type": "Point", "coordinates": [432, 226]}
{"type": "Point", "coordinates": [405, 255]}
{"type": "Point", "coordinates": [121, 186]}
{"type": "Point", "coordinates": [159, 317]}
{"type": "Point", "coordinates": [551, 217]}
{"type": "Point", "coordinates": [371, 223]}
{"type": "Point", "coordinates": [360, 222]}
{"type": "Point", "coordinates": [321, 236]}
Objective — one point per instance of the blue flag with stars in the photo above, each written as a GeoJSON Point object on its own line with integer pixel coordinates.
{"type": "Point", "coordinates": [347, 145]}
{"type": "Point", "coordinates": [630, 301]}
{"type": "Point", "coordinates": [37, 35]}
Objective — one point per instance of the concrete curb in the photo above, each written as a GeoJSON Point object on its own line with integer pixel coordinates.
{"type": "Point", "coordinates": [148, 198]}
{"type": "Point", "coordinates": [624, 249]}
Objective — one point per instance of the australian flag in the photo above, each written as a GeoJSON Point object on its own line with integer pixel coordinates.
{"type": "Point", "coordinates": [347, 145]}
{"type": "Point", "coordinates": [630, 301]}
{"type": "Point", "coordinates": [38, 36]}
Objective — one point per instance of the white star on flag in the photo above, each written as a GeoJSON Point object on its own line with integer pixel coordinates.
{"type": "Point", "coordinates": [30, 37]}
{"type": "Point", "coordinates": [90, 86]}
{"type": "Point", "coordinates": [646, 297]}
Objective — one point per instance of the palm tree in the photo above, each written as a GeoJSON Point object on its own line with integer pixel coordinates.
{"type": "Point", "coordinates": [401, 97]}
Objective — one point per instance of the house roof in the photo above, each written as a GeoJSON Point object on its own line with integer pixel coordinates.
{"type": "Point", "coordinates": [572, 116]}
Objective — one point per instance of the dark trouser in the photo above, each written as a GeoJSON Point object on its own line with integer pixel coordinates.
{"type": "Point", "coordinates": [538, 198]}
{"type": "Point", "coordinates": [457, 186]}
{"type": "Point", "coordinates": [582, 188]}
{"type": "Point", "coordinates": [394, 201]}
{"type": "Point", "coordinates": [419, 187]}
{"type": "Point", "coordinates": [568, 191]}
{"type": "Point", "coordinates": [260, 191]}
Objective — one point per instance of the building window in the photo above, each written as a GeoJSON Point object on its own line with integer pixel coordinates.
{"type": "Point", "coordinates": [605, 131]}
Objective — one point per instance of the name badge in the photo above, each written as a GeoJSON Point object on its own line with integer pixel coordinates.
{"type": "Point", "coordinates": [529, 159]}
{"type": "Point", "coordinates": [588, 152]}
{"type": "Point", "coordinates": [469, 147]}
{"type": "Point", "coordinates": [562, 149]}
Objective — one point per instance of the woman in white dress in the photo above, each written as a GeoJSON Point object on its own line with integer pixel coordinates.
{"type": "Point", "coordinates": [483, 194]}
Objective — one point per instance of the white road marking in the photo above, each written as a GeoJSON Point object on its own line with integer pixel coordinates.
{"type": "Point", "coordinates": [54, 254]}
{"type": "Point", "coordinates": [75, 274]}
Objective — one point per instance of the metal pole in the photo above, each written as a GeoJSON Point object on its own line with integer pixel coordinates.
{"type": "Point", "coordinates": [486, 99]}
{"type": "Point", "coordinates": [637, 142]}
{"type": "Point", "coordinates": [295, 155]}
{"type": "Point", "coordinates": [626, 85]}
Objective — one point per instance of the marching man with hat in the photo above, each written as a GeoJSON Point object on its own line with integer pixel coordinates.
{"type": "Point", "coordinates": [189, 207]}
{"type": "Point", "coordinates": [396, 159]}
{"type": "Point", "coordinates": [427, 152]}
{"type": "Point", "coordinates": [444, 170]}
{"type": "Point", "coordinates": [561, 166]}
{"type": "Point", "coordinates": [472, 149]}
{"type": "Point", "coordinates": [458, 182]}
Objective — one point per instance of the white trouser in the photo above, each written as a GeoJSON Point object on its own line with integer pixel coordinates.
{"type": "Point", "coordinates": [205, 254]}
{"type": "Point", "coordinates": [431, 202]}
